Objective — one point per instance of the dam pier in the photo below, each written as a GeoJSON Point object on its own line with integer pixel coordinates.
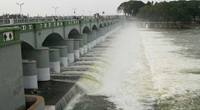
{"type": "Point", "coordinates": [33, 55]}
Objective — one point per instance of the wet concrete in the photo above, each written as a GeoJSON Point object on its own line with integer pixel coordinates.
{"type": "Point", "coordinates": [52, 91]}
{"type": "Point", "coordinates": [58, 89]}
{"type": "Point", "coordinates": [95, 103]}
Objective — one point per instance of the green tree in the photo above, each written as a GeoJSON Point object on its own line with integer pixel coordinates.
{"type": "Point", "coordinates": [167, 12]}
{"type": "Point", "coordinates": [193, 9]}
{"type": "Point", "coordinates": [131, 7]}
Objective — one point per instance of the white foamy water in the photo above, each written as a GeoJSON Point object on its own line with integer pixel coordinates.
{"type": "Point", "coordinates": [146, 73]}
{"type": "Point", "coordinates": [128, 79]}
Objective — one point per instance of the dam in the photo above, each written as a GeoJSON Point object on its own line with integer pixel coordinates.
{"type": "Point", "coordinates": [150, 68]}
{"type": "Point", "coordinates": [33, 55]}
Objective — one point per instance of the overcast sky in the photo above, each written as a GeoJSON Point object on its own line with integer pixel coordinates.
{"type": "Point", "coordinates": [44, 7]}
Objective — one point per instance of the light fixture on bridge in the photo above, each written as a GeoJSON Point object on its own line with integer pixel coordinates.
{"type": "Point", "coordinates": [74, 11]}
{"type": "Point", "coordinates": [20, 4]}
{"type": "Point", "coordinates": [90, 12]}
{"type": "Point", "coordinates": [55, 9]}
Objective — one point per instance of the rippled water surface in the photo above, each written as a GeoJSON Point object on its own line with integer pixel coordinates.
{"type": "Point", "coordinates": [146, 69]}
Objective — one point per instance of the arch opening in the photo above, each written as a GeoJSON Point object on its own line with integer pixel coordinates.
{"type": "Point", "coordinates": [86, 30]}
{"type": "Point", "coordinates": [94, 27]}
{"type": "Point", "coordinates": [26, 46]}
{"type": "Point", "coordinates": [105, 24]}
{"type": "Point", "coordinates": [100, 26]}
{"type": "Point", "coordinates": [52, 40]}
{"type": "Point", "coordinates": [73, 34]}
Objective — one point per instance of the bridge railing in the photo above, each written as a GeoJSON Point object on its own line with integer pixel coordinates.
{"type": "Point", "coordinates": [22, 26]}
{"type": "Point", "coordinates": [85, 20]}
{"type": "Point", "coordinates": [46, 25]}
{"type": "Point", "coordinates": [93, 20]}
{"type": "Point", "coordinates": [71, 22]}
{"type": "Point", "coordinates": [52, 24]}
{"type": "Point", "coordinates": [9, 35]}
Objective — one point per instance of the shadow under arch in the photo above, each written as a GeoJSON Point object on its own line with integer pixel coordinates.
{"type": "Point", "coordinates": [100, 26]}
{"type": "Point", "coordinates": [86, 30]}
{"type": "Point", "coordinates": [73, 34]}
{"type": "Point", "coordinates": [105, 24]}
{"type": "Point", "coordinates": [26, 46]}
{"type": "Point", "coordinates": [94, 27]}
{"type": "Point", "coordinates": [51, 39]}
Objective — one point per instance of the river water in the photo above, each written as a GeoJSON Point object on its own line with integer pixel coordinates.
{"type": "Point", "coordinates": [145, 69]}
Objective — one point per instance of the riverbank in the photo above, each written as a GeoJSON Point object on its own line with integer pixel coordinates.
{"type": "Point", "coordinates": [189, 26]}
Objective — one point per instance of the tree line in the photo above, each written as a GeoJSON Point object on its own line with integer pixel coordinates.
{"type": "Point", "coordinates": [174, 11]}
{"type": "Point", "coordinates": [14, 16]}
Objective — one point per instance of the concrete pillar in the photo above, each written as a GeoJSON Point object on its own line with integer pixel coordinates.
{"type": "Point", "coordinates": [99, 34]}
{"type": "Point", "coordinates": [42, 58]}
{"type": "Point", "coordinates": [94, 35]}
{"type": "Point", "coordinates": [93, 38]}
{"type": "Point", "coordinates": [30, 74]}
{"type": "Point", "coordinates": [110, 28]}
{"type": "Point", "coordinates": [102, 33]}
{"type": "Point", "coordinates": [76, 50]}
{"type": "Point", "coordinates": [70, 48]}
{"type": "Point", "coordinates": [85, 46]}
{"type": "Point", "coordinates": [89, 42]}
{"type": "Point", "coordinates": [81, 48]}
{"type": "Point", "coordinates": [108, 31]}
{"type": "Point", "coordinates": [11, 78]}
{"type": "Point", "coordinates": [54, 58]}
{"type": "Point", "coordinates": [63, 55]}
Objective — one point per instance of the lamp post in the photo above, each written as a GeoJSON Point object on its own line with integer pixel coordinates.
{"type": "Point", "coordinates": [74, 11]}
{"type": "Point", "coordinates": [103, 14]}
{"type": "Point", "coordinates": [90, 12]}
{"type": "Point", "coordinates": [20, 5]}
{"type": "Point", "coordinates": [55, 9]}
{"type": "Point", "coordinates": [83, 11]}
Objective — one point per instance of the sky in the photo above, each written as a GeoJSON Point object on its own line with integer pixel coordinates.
{"type": "Point", "coordinates": [44, 7]}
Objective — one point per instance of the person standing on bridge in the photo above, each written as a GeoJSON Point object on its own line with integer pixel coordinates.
{"type": "Point", "coordinates": [82, 17]}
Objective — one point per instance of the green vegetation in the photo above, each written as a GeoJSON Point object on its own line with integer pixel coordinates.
{"type": "Point", "coordinates": [174, 11]}
{"type": "Point", "coordinates": [130, 7]}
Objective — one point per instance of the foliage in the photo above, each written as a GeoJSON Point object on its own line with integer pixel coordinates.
{"type": "Point", "coordinates": [174, 11]}
{"type": "Point", "coordinates": [131, 7]}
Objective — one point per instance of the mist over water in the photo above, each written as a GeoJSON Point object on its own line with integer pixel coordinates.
{"type": "Point", "coordinates": [145, 69]}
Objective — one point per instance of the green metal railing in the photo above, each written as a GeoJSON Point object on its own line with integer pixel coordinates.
{"type": "Point", "coordinates": [53, 24]}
